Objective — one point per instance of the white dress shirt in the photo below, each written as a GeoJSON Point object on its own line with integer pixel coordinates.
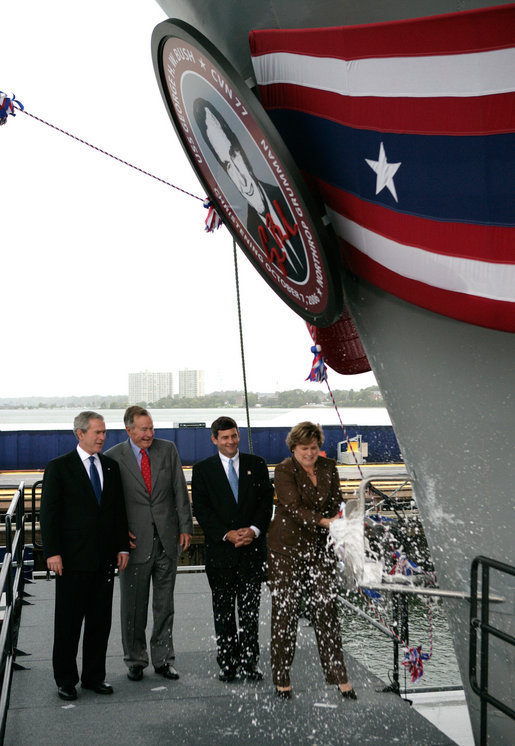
{"type": "Point", "coordinates": [87, 463]}
{"type": "Point", "coordinates": [236, 463]}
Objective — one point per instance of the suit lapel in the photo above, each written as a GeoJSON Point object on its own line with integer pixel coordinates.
{"type": "Point", "coordinates": [156, 460]}
{"type": "Point", "coordinates": [130, 461]}
{"type": "Point", "coordinates": [245, 476]}
{"type": "Point", "coordinates": [108, 476]}
{"type": "Point", "coordinates": [223, 487]}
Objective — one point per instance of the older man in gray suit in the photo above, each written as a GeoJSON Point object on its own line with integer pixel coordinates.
{"type": "Point", "coordinates": [160, 525]}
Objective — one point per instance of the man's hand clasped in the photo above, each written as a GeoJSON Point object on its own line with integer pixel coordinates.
{"type": "Point", "coordinates": [241, 537]}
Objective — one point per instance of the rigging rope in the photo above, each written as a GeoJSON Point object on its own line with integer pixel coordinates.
{"type": "Point", "coordinates": [413, 656]}
{"type": "Point", "coordinates": [241, 344]}
{"type": "Point", "coordinates": [114, 157]}
{"type": "Point", "coordinates": [319, 373]}
{"type": "Point", "coordinates": [212, 222]}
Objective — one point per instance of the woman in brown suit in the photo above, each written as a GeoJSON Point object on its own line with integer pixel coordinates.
{"type": "Point", "coordinates": [299, 563]}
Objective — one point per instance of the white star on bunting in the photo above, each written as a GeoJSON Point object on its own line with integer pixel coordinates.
{"type": "Point", "coordinates": [385, 172]}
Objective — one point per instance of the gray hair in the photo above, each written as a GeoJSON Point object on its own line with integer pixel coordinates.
{"type": "Point", "coordinates": [81, 422]}
{"type": "Point", "coordinates": [131, 413]}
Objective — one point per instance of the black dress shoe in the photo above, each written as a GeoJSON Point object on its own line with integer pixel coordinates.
{"type": "Point", "coordinates": [350, 694]}
{"type": "Point", "coordinates": [101, 688]}
{"type": "Point", "coordinates": [252, 672]}
{"type": "Point", "coordinates": [167, 671]}
{"type": "Point", "coordinates": [68, 693]}
{"type": "Point", "coordinates": [227, 674]}
{"type": "Point", "coordinates": [135, 673]}
{"type": "Point", "coordinates": [283, 693]}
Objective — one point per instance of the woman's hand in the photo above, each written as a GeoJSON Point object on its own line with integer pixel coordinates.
{"type": "Point", "coordinates": [326, 522]}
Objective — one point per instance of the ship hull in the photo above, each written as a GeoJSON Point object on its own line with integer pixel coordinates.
{"type": "Point", "coordinates": [448, 385]}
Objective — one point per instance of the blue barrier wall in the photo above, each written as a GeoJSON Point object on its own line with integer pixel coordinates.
{"type": "Point", "coordinates": [33, 449]}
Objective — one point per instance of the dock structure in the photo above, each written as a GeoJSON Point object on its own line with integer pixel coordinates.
{"type": "Point", "coordinates": [198, 708]}
{"type": "Point", "coordinates": [350, 478]}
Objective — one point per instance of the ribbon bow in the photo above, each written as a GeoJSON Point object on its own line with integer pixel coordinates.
{"type": "Point", "coordinates": [318, 370]}
{"type": "Point", "coordinates": [413, 658]}
{"type": "Point", "coordinates": [7, 106]}
{"type": "Point", "coordinates": [213, 220]}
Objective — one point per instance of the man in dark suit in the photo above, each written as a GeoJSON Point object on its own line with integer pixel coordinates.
{"type": "Point", "coordinates": [160, 521]}
{"type": "Point", "coordinates": [232, 501]}
{"type": "Point", "coordinates": [85, 534]}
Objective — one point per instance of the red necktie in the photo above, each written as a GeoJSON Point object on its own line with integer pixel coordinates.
{"type": "Point", "coordinates": [145, 470]}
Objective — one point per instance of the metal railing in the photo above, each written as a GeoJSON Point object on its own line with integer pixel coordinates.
{"type": "Point", "coordinates": [12, 583]}
{"type": "Point", "coordinates": [400, 592]}
{"type": "Point", "coordinates": [482, 626]}
{"type": "Point", "coordinates": [35, 487]}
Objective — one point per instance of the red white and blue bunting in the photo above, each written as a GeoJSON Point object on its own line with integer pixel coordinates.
{"type": "Point", "coordinates": [8, 104]}
{"type": "Point", "coordinates": [213, 220]}
{"type": "Point", "coordinates": [406, 131]}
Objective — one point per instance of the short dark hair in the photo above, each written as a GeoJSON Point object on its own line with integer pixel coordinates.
{"type": "Point", "coordinates": [222, 423]}
{"type": "Point", "coordinates": [132, 412]}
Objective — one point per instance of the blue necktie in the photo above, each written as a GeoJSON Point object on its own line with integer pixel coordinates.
{"type": "Point", "coordinates": [95, 479]}
{"type": "Point", "coordinates": [233, 479]}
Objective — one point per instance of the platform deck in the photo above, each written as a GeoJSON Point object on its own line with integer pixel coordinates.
{"type": "Point", "coordinates": [199, 709]}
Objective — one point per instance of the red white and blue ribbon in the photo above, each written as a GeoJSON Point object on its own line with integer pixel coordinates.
{"type": "Point", "coordinates": [8, 104]}
{"type": "Point", "coordinates": [406, 130]}
{"type": "Point", "coordinates": [213, 220]}
{"type": "Point", "coordinates": [404, 566]}
{"type": "Point", "coordinates": [413, 661]}
{"type": "Point", "coordinates": [318, 370]}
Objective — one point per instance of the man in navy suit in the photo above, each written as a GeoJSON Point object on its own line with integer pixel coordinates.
{"type": "Point", "coordinates": [85, 535]}
{"type": "Point", "coordinates": [232, 501]}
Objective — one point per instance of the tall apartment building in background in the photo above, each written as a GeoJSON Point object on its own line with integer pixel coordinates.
{"type": "Point", "coordinates": [147, 386]}
{"type": "Point", "coordinates": [191, 383]}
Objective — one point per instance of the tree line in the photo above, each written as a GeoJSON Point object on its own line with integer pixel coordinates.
{"type": "Point", "coordinates": [292, 399]}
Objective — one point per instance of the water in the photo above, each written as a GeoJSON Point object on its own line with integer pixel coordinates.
{"type": "Point", "coordinates": [375, 651]}
{"type": "Point", "coordinates": [61, 419]}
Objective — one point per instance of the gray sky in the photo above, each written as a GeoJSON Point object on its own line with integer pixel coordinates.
{"type": "Point", "coordinates": [106, 271]}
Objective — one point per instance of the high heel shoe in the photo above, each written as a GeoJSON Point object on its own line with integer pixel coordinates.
{"type": "Point", "coordinates": [283, 693]}
{"type": "Point", "coordinates": [349, 694]}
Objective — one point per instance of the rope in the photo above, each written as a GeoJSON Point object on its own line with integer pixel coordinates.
{"type": "Point", "coordinates": [114, 157]}
{"type": "Point", "coordinates": [319, 373]}
{"type": "Point", "coordinates": [344, 429]}
{"type": "Point", "coordinates": [216, 224]}
{"type": "Point", "coordinates": [241, 344]}
{"type": "Point", "coordinates": [413, 657]}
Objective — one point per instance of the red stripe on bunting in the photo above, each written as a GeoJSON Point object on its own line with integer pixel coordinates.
{"type": "Point", "coordinates": [460, 306]}
{"type": "Point", "coordinates": [453, 33]}
{"type": "Point", "coordinates": [486, 115]}
{"type": "Point", "coordinates": [493, 244]}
